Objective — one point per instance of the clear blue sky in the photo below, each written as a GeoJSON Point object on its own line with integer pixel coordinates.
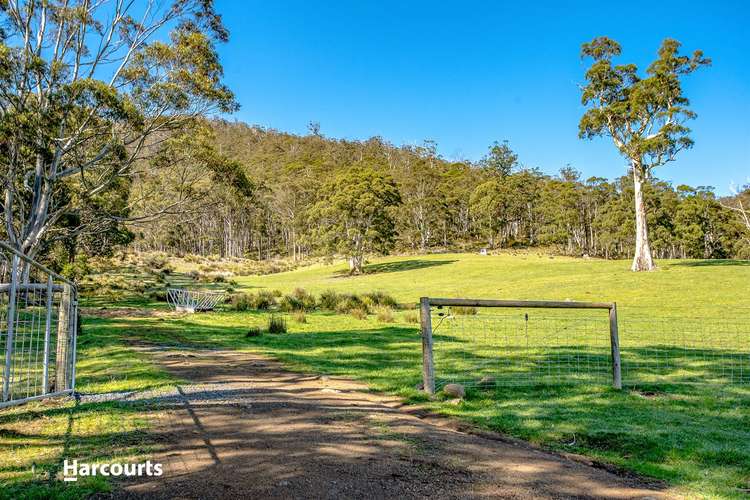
{"type": "Point", "coordinates": [466, 73]}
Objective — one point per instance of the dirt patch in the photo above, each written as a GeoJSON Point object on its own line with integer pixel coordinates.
{"type": "Point", "coordinates": [247, 428]}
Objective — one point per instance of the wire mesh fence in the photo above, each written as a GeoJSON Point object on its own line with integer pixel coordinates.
{"type": "Point", "coordinates": [38, 327]}
{"type": "Point", "coordinates": [685, 350]}
{"type": "Point", "coordinates": [483, 346]}
{"type": "Point", "coordinates": [520, 347]}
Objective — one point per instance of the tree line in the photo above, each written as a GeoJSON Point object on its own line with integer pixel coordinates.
{"type": "Point", "coordinates": [311, 195]}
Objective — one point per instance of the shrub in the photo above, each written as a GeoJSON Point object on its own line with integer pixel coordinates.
{"type": "Point", "coordinates": [384, 314]}
{"type": "Point", "coordinates": [289, 303]}
{"type": "Point", "coordinates": [329, 300]}
{"type": "Point", "coordinates": [240, 302]}
{"type": "Point", "coordinates": [306, 299]}
{"type": "Point", "coordinates": [276, 324]}
{"type": "Point", "coordinates": [263, 300]}
{"type": "Point", "coordinates": [76, 270]}
{"type": "Point", "coordinates": [348, 303]}
{"type": "Point", "coordinates": [254, 331]}
{"type": "Point", "coordinates": [359, 312]}
{"type": "Point", "coordinates": [157, 295]}
{"type": "Point", "coordinates": [299, 316]}
{"type": "Point", "coordinates": [299, 300]}
{"type": "Point", "coordinates": [381, 299]}
{"type": "Point", "coordinates": [155, 261]}
{"type": "Point", "coordinates": [219, 278]}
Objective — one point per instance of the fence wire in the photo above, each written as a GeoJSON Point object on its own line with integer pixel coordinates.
{"type": "Point", "coordinates": [38, 322]}
{"type": "Point", "coordinates": [685, 350]}
{"type": "Point", "coordinates": [515, 347]}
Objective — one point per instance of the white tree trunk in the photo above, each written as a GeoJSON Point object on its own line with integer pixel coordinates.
{"type": "Point", "coordinates": [642, 261]}
{"type": "Point", "coordinates": [356, 264]}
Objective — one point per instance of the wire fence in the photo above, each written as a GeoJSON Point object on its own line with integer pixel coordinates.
{"type": "Point", "coordinates": [38, 328]}
{"type": "Point", "coordinates": [482, 346]}
{"type": "Point", "coordinates": [685, 350]}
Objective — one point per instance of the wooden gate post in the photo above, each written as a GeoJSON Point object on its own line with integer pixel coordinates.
{"type": "Point", "coordinates": [615, 344]}
{"type": "Point", "coordinates": [428, 368]}
{"type": "Point", "coordinates": [63, 338]}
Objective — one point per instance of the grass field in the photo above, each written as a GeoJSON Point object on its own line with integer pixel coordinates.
{"type": "Point", "coordinates": [695, 437]}
{"type": "Point", "coordinates": [716, 288]}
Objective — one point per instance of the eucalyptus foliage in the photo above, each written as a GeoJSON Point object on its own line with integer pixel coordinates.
{"type": "Point", "coordinates": [89, 92]}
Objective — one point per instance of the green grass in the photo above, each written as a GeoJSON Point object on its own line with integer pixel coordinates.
{"type": "Point", "coordinates": [37, 437]}
{"type": "Point", "coordinates": [694, 437]}
{"type": "Point", "coordinates": [694, 287]}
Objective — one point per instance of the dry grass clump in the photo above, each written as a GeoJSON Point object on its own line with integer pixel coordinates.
{"type": "Point", "coordinates": [384, 314]}
{"type": "Point", "coordinates": [411, 317]}
{"type": "Point", "coordinates": [358, 313]}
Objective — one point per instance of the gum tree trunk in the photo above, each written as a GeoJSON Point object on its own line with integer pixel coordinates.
{"type": "Point", "coordinates": [642, 261]}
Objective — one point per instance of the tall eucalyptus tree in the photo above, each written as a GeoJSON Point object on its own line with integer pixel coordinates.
{"type": "Point", "coordinates": [644, 116]}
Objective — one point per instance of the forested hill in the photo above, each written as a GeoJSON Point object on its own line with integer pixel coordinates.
{"type": "Point", "coordinates": [314, 195]}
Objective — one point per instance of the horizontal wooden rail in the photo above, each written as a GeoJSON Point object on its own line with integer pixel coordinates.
{"type": "Point", "coordinates": [541, 304]}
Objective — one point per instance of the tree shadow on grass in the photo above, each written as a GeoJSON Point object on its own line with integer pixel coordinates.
{"type": "Point", "coordinates": [713, 263]}
{"type": "Point", "coordinates": [398, 266]}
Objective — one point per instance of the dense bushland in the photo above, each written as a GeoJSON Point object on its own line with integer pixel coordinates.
{"type": "Point", "coordinates": [297, 206]}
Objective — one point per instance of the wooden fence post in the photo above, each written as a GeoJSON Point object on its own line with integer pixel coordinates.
{"type": "Point", "coordinates": [428, 368]}
{"type": "Point", "coordinates": [615, 343]}
{"type": "Point", "coordinates": [63, 338]}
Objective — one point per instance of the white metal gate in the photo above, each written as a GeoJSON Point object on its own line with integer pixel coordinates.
{"type": "Point", "coordinates": [38, 329]}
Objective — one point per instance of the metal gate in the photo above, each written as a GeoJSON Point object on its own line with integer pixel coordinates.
{"type": "Point", "coordinates": [38, 328]}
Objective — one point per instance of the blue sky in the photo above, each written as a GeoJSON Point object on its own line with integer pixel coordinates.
{"type": "Point", "coordinates": [468, 73]}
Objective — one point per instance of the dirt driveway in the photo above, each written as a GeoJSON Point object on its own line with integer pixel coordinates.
{"type": "Point", "coordinates": [247, 428]}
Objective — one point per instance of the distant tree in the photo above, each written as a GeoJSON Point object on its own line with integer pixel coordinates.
{"type": "Point", "coordinates": [90, 90]}
{"type": "Point", "coordinates": [419, 183]}
{"type": "Point", "coordinates": [355, 214]}
{"type": "Point", "coordinates": [501, 159]}
{"type": "Point", "coordinates": [740, 205]}
{"type": "Point", "coordinates": [314, 128]}
{"type": "Point", "coordinates": [645, 117]}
